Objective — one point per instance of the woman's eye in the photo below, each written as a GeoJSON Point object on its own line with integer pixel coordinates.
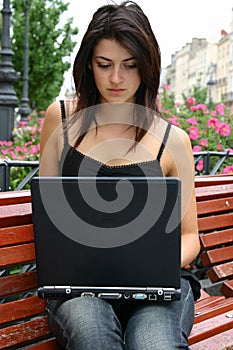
{"type": "Point", "coordinates": [101, 65]}
{"type": "Point", "coordinates": [131, 66]}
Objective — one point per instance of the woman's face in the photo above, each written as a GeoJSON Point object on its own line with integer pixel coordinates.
{"type": "Point", "coordinates": [115, 72]}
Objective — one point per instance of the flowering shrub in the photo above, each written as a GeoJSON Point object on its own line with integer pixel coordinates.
{"type": "Point", "coordinates": [25, 146]}
{"type": "Point", "coordinates": [209, 130]}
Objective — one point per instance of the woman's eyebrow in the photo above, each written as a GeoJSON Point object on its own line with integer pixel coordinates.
{"type": "Point", "coordinates": [109, 60]}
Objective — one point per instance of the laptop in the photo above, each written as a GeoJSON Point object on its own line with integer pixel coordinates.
{"type": "Point", "coordinates": [109, 237]}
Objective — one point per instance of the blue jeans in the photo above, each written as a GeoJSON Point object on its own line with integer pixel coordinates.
{"type": "Point", "coordinates": [91, 323]}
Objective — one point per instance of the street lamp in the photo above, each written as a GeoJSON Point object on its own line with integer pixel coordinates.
{"type": "Point", "coordinates": [8, 76]}
{"type": "Point", "coordinates": [24, 110]}
{"type": "Point", "coordinates": [211, 82]}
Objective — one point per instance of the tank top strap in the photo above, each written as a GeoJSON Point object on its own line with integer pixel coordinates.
{"type": "Point", "coordinates": [165, 138]}
{"type": "Point", "coordinates": [64, 124]}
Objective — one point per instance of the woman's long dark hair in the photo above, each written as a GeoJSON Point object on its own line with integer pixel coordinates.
{"type": "Point", "coordinates": [129, 26]}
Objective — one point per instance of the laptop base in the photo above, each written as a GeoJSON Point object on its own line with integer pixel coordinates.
{"type": "Point", "coordinates": [114, 293]}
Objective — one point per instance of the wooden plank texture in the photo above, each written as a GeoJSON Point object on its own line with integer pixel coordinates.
{"type": "Point", "coordinates": [221, 272]}
{"type": "Point", "coordinates": [25, 332]}
{"type": "Point", "coordinates": [215, 222]}
{"type": "Point", "coordinates": [19, 309]}
{"type": "Point", "coordinates": [223, 341]}
{"type": "Point", "coordinates": [215, 206]}
{"type": "Point", "coordinates": [15, 197]}
{"type": "Point", "coordinates": [17, 214]}
{"type": "Point", "coordinates": [214, 239]}
{"type": "Point", "coordinates": [16, 235]}
{"type": "Point", "coordinates": [210, 327]}
{"type": "Point", "coordinates": [217, 256]}
{"type": "Point", "coordinates": [17, 254]}
{"type": "Point", "coordinates": [48, 345]}
{"type": "Point", "coordinates": [22, 282]}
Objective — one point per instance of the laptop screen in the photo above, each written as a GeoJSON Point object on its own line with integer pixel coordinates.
{"type": "Point", "coordinates": [107, 232]}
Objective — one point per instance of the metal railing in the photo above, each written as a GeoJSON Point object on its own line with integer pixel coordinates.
{"type": "Point", "coordinates": [210, 165]}
{"type": "Point", "coordinates": [212, 162]}
{"type": "Point", "coordinates": [5, 173]}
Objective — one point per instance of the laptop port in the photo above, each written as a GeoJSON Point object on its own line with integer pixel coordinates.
{"type": "Point", "coordinates": [87, 294]}
{"type": "Point", "coordinates": [152, 297]}
{"type": "Point", "coordinates": [126, 295]}
{"type": "Point", "coordinates": [110, 295]}
{"type": "Point", "coordinates": [139, 296]}
{"type": "Point", "coordinates": [167, 296]}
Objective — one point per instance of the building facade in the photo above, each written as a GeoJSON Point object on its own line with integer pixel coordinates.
{"type": "Point", "coordinates": [204, 64]}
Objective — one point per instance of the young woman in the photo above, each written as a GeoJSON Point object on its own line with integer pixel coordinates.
{"type": "Point", "coordinates": [113, 128]}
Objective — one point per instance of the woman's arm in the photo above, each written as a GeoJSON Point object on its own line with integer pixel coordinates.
{"type": "Point", "coordinates": [51, 141]}
{"type": "Point", "coordinates": [180, 157]}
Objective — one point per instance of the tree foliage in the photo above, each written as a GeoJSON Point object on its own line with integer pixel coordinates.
{"type": "Point", "coordinates": [50, 45]}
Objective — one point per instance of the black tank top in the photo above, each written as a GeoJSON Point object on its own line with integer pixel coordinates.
{"type": "Point", "coordinates": [75, 163]}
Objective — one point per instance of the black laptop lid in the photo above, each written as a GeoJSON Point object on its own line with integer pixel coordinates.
{"type": "Point", "coordinates": [107, 231]}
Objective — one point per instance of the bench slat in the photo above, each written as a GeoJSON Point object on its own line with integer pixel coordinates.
{"type": "Point", "coordinates": [48, 345]}
{"type": "Point", "coordinates": [215, 222]}
{"type": "Point", "coordinates": [220, 272]}
{"type": "Point", "coordinates": [25, 332]}
{"type": "Point", "coordinates": [17, 254]}
{"type": "Point", "coordinates": [218, 191]}
{"type": "Point", "coordinates": [215, 206]}
{"type": "Point", "coordinates": [227, 288]}
{"type": "Point", "coordinates": [19, 309]}
{"type": "Point", "coordinates": [209, 301]}
{"type": "Point", "coordinates": [213, 180]}
{"type": "Point", "coordinates": [210, 327]}
{"type": "Point", "coordinates": [18, 283]}
{"type": "Point", "coordinates": [215, 309]}
{"type": "Point", "coordinates": [210, 240]}
{"type": "Point", "coordinates": [16, 234]}
{"type": "Point", "coordinates": [16, 214]}
{"type": "Point", "coordinates": [216, 255]}
{"type": "Point", "coordinates": [223, 341]}
{"type": "Point", "coordinates": [15, 197]}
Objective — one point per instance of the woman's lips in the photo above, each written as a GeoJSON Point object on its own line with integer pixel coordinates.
{"type": "Point", "coordinates": [116, 91]}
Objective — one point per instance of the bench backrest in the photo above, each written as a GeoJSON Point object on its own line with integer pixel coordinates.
{"type": "Point", "coordinates": [18, 278]}
{"type": "Point", "coordinates": [22, 313]}
{"type": "Point", "coordinates": [215, 219]}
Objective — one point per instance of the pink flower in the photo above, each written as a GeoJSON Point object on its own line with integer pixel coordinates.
{"type": "Point", "coordinates": [34, 150]}
{"type": "Point", "coordinates": [224, 129]}
{"type": "Point", "coordinates": [190, 101]}
{"type": "Point", "coordinates": [213, 122]}
{"type": "Point", "coordinates": [220, 109]}
{"type": "Point", "coordinates": [192, 121]}
{"type": "Point", "coordinates": [220, 147]}
{"type": "Point", "coordinates": [200, 165]}
{"type": "Point", "coordinates": [228, 169]}
{"type": "Point", "coordinates": [193, 133]}
{"type": "Point", "coordinates": [230, 150]}
{"type": "Point", "coordinates": [166, 87]}
{"type": "Point", "coordinates": [22, 124]}
{"type": "Point", "coordinates": [213, 113]}
{"type": "Point", "coordinates": [199, 106]}
{"type": "Point", "coordinates": [203, 142]}
{"type": "Point", "coordinates": [41, 120]}
{"type": "Point", "coordinates": [42, 112]}
{"type": "Point", "coordinates": [196, 148]}
{"type": "Point", "coordinates": [174, 120]}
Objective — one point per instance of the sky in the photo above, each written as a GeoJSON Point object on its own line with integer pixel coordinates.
{"type": "Point", "coordinates": [174, 22]}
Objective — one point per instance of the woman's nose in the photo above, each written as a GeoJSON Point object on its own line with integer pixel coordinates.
{"type": "Point", "coordinates": [116, 76]}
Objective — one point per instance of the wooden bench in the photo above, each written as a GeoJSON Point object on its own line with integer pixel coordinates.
{"type": "Point", "coordinates": [23, 321]}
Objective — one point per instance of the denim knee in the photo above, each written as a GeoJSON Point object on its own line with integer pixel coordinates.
{"type": "Point", "coordinates": [162, 326]}
{"type": "Point", "coordinates": [81, 322]}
